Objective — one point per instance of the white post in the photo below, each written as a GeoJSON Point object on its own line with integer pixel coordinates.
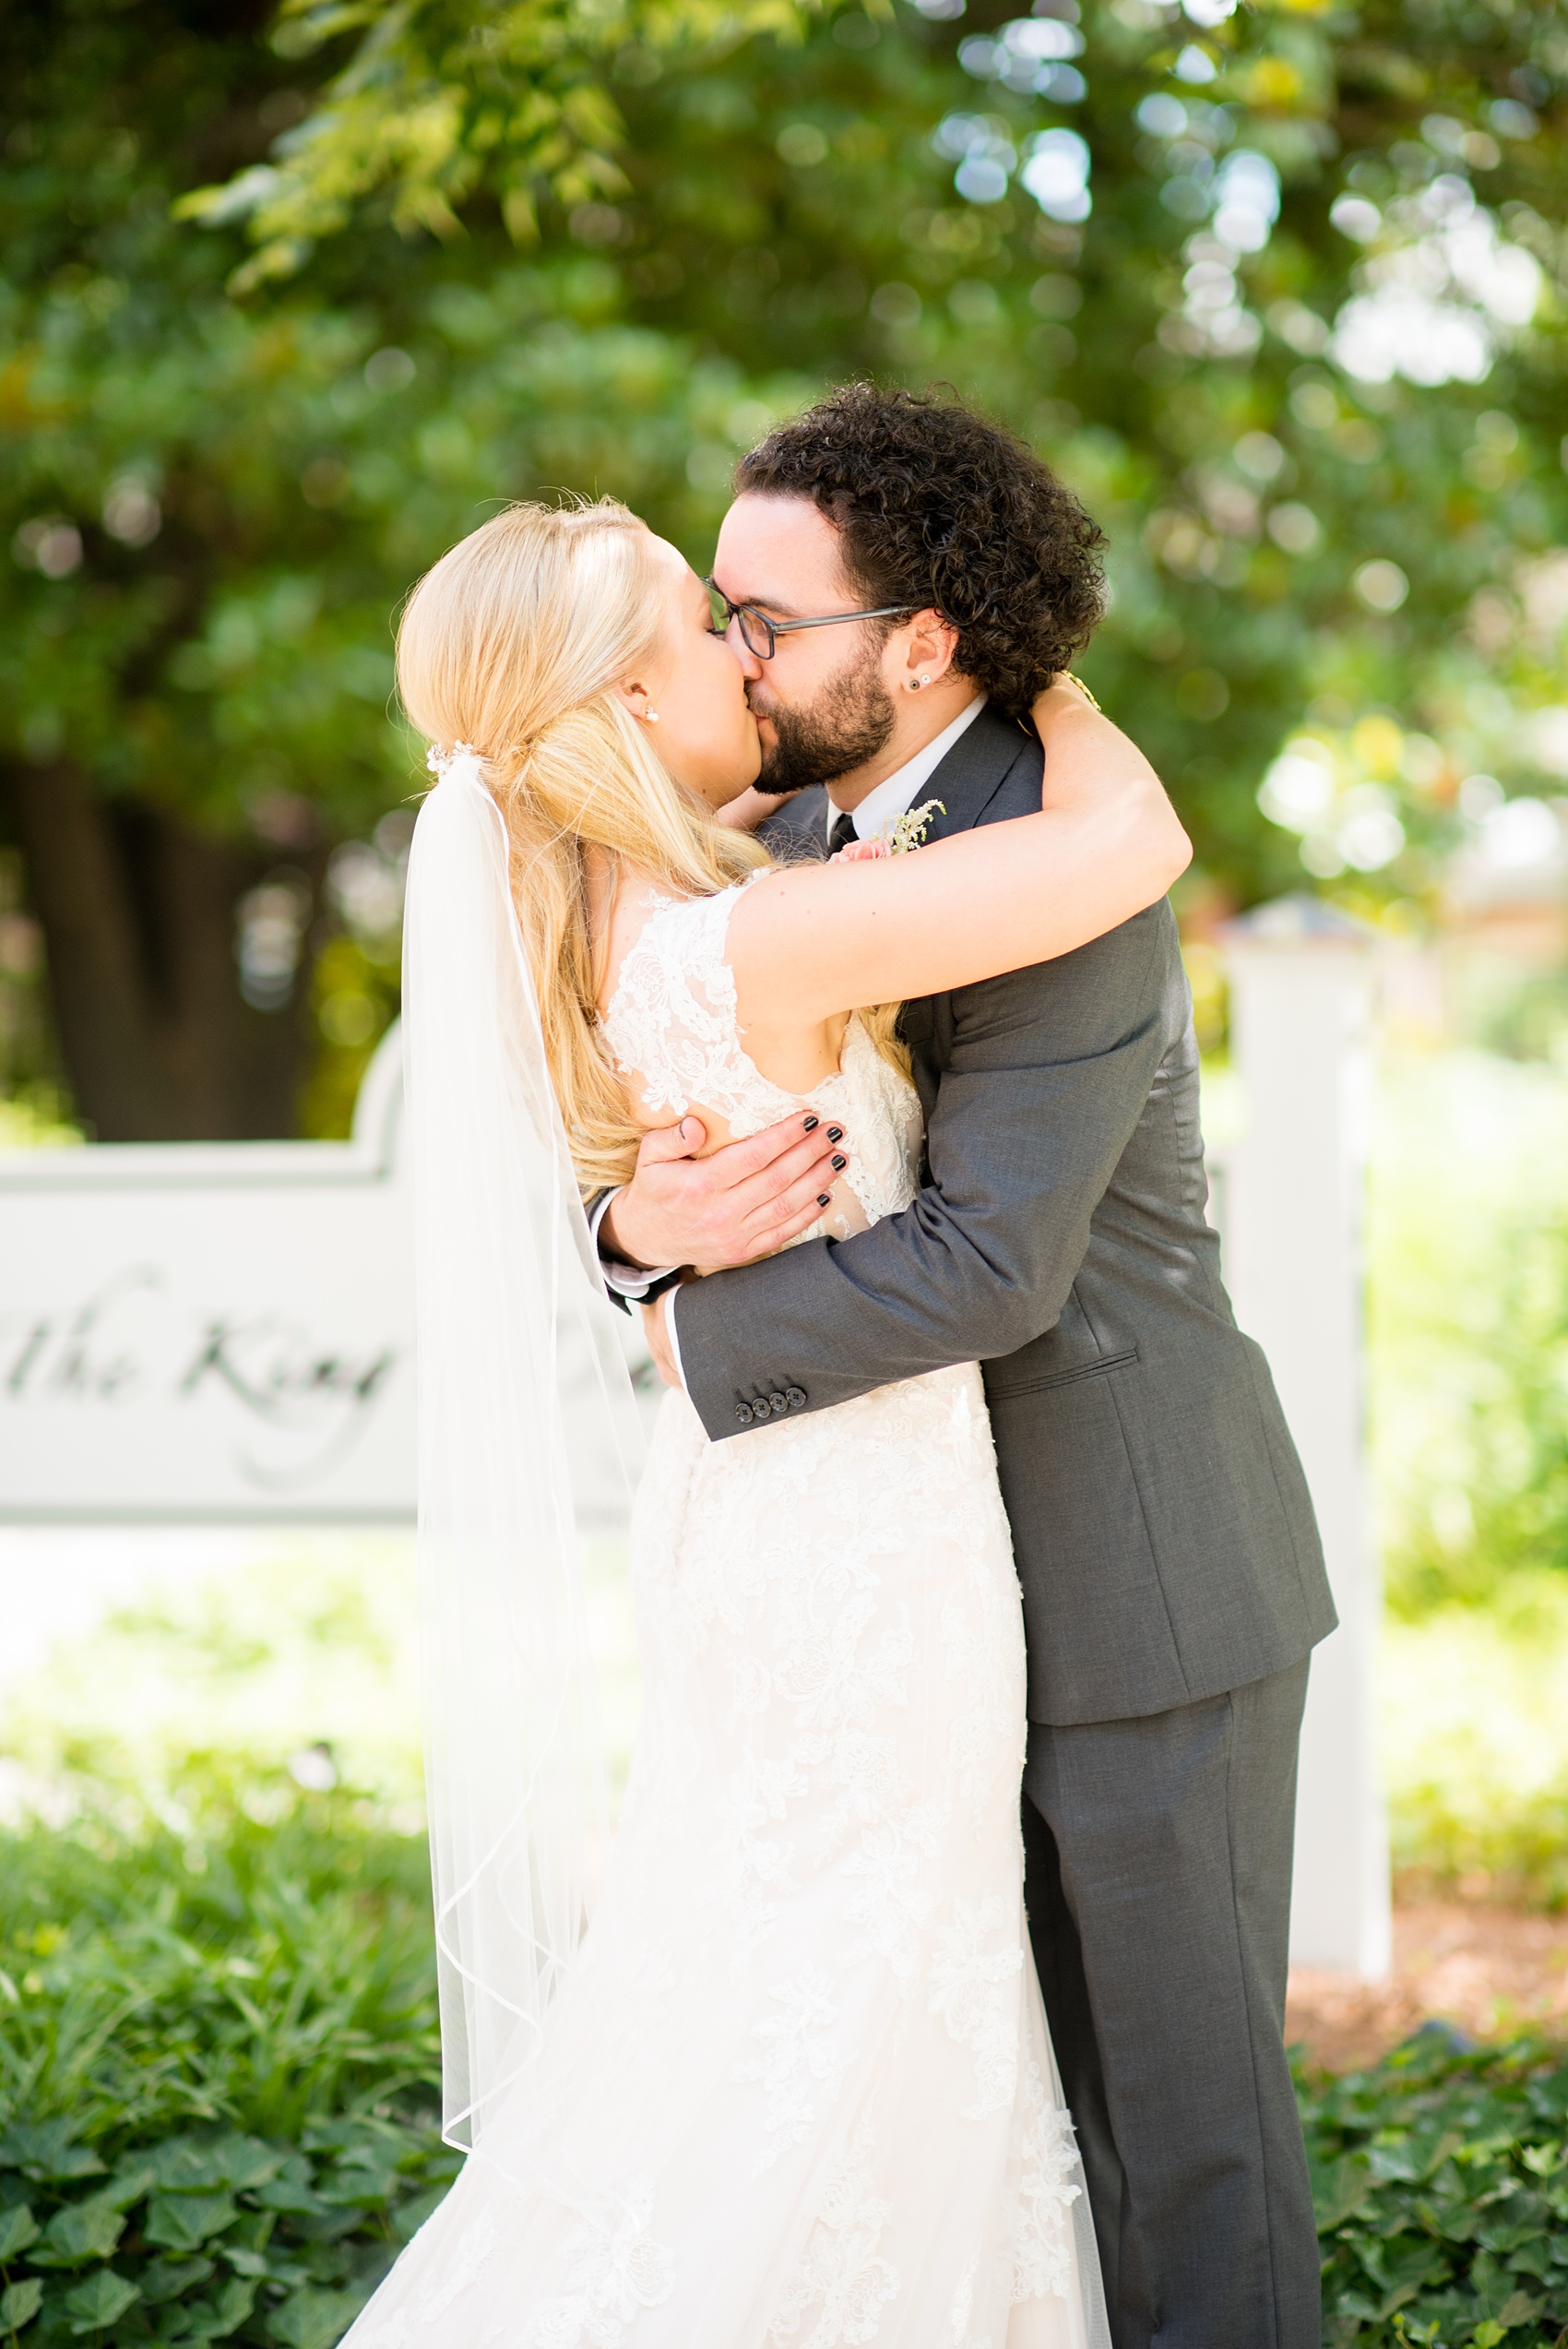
{"type": "Point", "coordinates": [1300, 1006]}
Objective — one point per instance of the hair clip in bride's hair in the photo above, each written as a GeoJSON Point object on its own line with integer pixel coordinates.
{"type": "Point", "coordinates": [441, 759]}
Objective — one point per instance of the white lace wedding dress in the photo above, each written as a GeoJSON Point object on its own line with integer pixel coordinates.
{"type": "Point", "coordinates": [800, 2094]}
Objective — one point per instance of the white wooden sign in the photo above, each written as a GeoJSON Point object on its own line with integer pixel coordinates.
{"type": "Point", "coordinates": [210, 1331]}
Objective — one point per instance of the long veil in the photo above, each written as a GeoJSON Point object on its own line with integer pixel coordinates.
{"type": "Point", "coordinates": [508, 1299]}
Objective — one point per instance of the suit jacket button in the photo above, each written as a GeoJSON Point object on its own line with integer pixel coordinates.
{"type": "Point", "coordinates": [744, 1413]}
{"type": "Point", "coordinates": [777, 1406]}
{"type": "Point", "coordinates": [795, 1397]}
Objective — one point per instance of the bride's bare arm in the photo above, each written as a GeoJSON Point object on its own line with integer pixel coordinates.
{"type": "Point", "coordinates": [752, 808]}
{"type": "Point", "coordinates": [1105, 844]}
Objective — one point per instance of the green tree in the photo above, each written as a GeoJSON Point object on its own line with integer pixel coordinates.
{"type": "Point", "coordinates": [1313, 375]}
{"type": "Point", "coordinates": [212, 510]}
{"type": "Point", "coordinates": [1281, 290]}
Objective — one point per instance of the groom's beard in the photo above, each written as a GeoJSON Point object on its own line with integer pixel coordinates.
{"type": "Point", "coordinates": [850, 720]}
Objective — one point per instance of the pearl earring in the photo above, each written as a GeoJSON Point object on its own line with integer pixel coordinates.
{"type": "Point", "coordinates": [652, 717]}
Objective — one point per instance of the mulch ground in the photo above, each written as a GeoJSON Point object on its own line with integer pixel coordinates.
{"type": "Point", "coordinates": [1490, 1971]}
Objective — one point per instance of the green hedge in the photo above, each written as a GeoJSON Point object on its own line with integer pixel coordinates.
{"type": "Point", "coordinates": [218, 2069]}
{"type": "Point", "coordinates": [1441, 2181]}
{"type": "Point", "coordinates": [218, 2066]}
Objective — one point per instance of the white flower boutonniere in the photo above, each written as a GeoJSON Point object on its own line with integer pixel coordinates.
{"type": "Point", "coordinates": [908, 830]}
{"type": "Point", "coordinates": [904, 833]}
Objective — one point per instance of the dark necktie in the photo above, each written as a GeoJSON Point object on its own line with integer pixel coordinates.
{"type": "Point", "coordinates": [843, 832]}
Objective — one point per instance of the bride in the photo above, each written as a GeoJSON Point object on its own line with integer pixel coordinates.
{"type": "Point", "coordinates": [792, 2088]}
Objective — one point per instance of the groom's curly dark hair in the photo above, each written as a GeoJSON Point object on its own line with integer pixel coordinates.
{"type": "Point", "coordinates": [937, 506]}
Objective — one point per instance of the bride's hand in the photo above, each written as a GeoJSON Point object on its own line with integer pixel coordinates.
{"type": "Point", "coordinates": [1085, 755]}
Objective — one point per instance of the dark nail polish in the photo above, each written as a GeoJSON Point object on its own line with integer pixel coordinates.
{"type": "Point", "coordinates": [824, 1198]}
{"type": "Point", "coordinates": [838, 1162]}
{"type": "Point", "coordinates": [811, 1123]}
{"type": "Point", "coordinates": [836, 1133]}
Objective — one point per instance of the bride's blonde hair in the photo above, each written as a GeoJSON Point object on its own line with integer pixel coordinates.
{"type": "Point", "coordinates": [513, 644]}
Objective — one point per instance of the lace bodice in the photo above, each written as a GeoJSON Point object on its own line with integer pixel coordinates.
{"type": "Point", "coordinates": [672, 1026]}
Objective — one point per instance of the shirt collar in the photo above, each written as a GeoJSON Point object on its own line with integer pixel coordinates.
{"type": "Point", "coordinates": [893, 797]}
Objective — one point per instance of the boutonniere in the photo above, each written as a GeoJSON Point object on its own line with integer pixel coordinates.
{"type": "Point", "coordinates": [908, 830]}
{"type": "Point", "coordinates": [904, 833]}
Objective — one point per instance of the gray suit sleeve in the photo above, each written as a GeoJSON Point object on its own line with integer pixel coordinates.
{"type": "Point", "coordinates": [1046, 1074]}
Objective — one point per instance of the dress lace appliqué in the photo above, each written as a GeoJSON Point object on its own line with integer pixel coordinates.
{"type": "Point", "coordinates": [614, 2268]}
{"type": "Point", "coordinates": [842, 2279]}
{"type": "Point", "coordinates": [672, 1026]}
{"type": "Point", "coordinates": [974, 1988]}
{"type": "Point", "coordinates": [1042, 2260]}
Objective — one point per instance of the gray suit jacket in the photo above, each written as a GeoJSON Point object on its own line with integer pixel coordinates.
{"type": "Point", "coordinates": [1164, 1536]}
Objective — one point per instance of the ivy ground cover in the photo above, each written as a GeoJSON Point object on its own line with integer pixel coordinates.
{"type": "Point", "coordinates": [218, 2076]}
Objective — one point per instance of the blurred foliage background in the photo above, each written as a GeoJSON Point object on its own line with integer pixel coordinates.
{"type": "Point", "coordinates": [291, 300]}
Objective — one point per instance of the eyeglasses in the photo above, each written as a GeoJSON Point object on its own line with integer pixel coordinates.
{"type": "Point", "coordinates": [760, 635]}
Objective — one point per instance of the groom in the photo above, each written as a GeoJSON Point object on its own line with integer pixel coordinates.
{"type": "Point", "coordinates": [1172, 1580]}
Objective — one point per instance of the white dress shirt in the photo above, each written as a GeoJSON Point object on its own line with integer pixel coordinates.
{"type": "Point", "coordinates": [883, 805]}
{"type": "Point", "coordinates": [881, 808]}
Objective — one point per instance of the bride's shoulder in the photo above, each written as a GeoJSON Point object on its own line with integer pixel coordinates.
{"type": "Point", "coordinates": [653, 924]}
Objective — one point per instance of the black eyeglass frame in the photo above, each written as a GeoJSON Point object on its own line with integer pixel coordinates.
{"type": "Point", "coordinates": [774, 629]}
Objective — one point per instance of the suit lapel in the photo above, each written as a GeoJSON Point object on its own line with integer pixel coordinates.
{"type": "Point", "coordinates": [799, 828]}
{"type": "Point", "coordinates": [967, 782]}
{"type": "Point", "coordinates": [973, 771]}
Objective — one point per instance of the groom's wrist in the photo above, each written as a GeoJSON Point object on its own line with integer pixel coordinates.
{"type": "Point", "coordinates": [639, 1283]}
{"type": "Point", "coordinates": [611, 1239]}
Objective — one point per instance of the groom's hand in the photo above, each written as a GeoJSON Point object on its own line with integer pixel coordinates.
{"type": "Point", "coordinates": [741, 1202]}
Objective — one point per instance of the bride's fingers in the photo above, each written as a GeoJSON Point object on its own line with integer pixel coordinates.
{"type": "Point", "coordinates": [759, 1154]}
{"type": "Point", "coordinates": [805, 1167]}
{"type": "Point", "coordinates": [780, 1218]}
{"type": "Point", "coordinates": [779, 1234]}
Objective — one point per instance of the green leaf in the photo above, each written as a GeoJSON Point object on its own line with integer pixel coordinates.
{"type": "Point", "coordinates": [186, 2164]}
{"type": "Point", "coordinates": [247, 2162]}
{"type": "Point", "coordinates": [82, 2231]}
{"type": "Point", "coordinates": [362, 2185]}
{"type": "Point", "coordinates": [166, 2279]}
{"type": "Point", "coordinates": [18, 2229]}
{"type": "Point", "coordinates": [246, 2262]}
{"type": "Point", "coordinates": [1448, 2143]}
{"type": "Point", "coordinates": [315, 2319]}
{"type": "Point", "coordinates": [1339, 2190]}
{"type": "Point", "coordinates": [1401, 2267]}
{"type": "Point", "coordinates": [409, 2216]}
{"type": "Point", "coordinates": [291, 2195]}
{"type": "Point", "coordinates": [183, 2222]}
{"type": "Point", "coordinates": [206, 2164]}
{"type": "Point", "coordinates": [44, 2150]}
{"type": "Point", "coordinates": [101, 2301]}
{"type": "Point", "coordinates": [216, 2319]}
{"type": "Point", "coordinates": [1539, 2257]}
{"type": "Point", "coordinates": [19, 2304]}
{"type": "Point", "coordinates": [129, 2183]}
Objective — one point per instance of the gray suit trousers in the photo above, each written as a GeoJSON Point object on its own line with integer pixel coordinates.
{"type": "Point", "coordinates": [1158, 1883]}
